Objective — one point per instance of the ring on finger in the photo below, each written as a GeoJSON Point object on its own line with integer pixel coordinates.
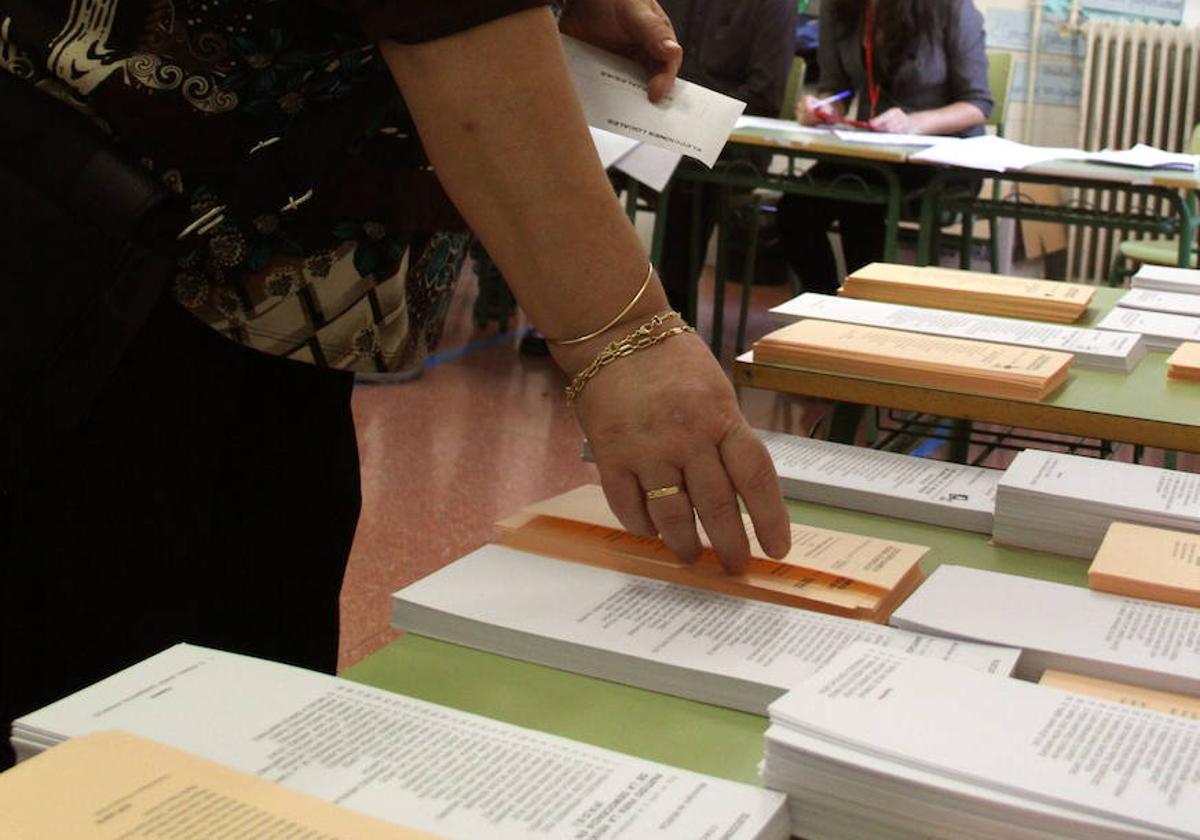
{"type": "Point", "coordinates": [663, 492]}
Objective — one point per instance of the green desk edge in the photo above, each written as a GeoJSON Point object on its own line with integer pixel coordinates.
{"type": "Point", "coordinates": [681, 733]}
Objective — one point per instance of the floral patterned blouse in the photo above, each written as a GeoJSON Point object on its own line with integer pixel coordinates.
{"type": "Point", "coordinates": [359, 276]}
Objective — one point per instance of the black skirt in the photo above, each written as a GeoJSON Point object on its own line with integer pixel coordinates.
{"type": "Point", "coordinates": [210, 497]}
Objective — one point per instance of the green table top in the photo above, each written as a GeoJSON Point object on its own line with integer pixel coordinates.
{"type": "Point", "coordinates": [682, 733]}
{"type": "Point", "coordinates": [1142, 406]}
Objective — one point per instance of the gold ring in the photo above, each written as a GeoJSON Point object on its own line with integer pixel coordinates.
{"type": "Point", "coordinates": [663, 492]}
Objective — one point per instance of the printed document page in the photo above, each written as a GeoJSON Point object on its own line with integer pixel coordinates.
{"type": "Point", "coordinates": [116, 786]}
{"type": "Point", "coordinates": [878, 471]}
{"type": "Point", "coordinates": [1104, 759]}
{"type": "Point", "coordinates": [1109, 635]}
{"type": "Point", "coordinates": [386, 755]}
{"type": "Point", "coordinates": [1152, 324]}
{"type": "Point", "coordinates": [705, 632]}
{"type": "Point", "coordinates": [690, 120]}
{"type": "Point", "coordinates": [1112, 484]}
{"type": "Point", "coordinates": [883, 138]}
{"type": "Point", "coordinates": [1128, 695]}
{"type": "Point", "coordinates": [1176, 303]}
{"type": "Point", "coordinates": [1088, 343]}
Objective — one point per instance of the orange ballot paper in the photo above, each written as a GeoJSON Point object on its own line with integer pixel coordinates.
{"type": "Point", "coordinates": [1157, 564]}
{"type": "Point", "coordinates": [116, 786]}
{"type": "Point", "coordinates": [977, 367]}
{"type": "Point", "coordinates": [970, 291]}
{"type": "Point", "coordinates": [1167, 702]}
{"type": "Point", "coordinates": [830, 571]}
{"type": "Point", "coordinates": [1184, 363]}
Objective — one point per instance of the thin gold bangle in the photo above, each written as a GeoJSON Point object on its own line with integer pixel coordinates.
{"type": "Point", "coordinates": [614, 321]}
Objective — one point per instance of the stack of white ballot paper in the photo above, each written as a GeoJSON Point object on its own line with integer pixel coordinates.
{"type": "Point", "coordinates": [1175, 303]}
{"type": "Point", "coordinates": [1092, 348]}
{"type": "Point", "coordinates": [886, 483]}
{"type": "Point", "coordinates": [678, 640]}
{"type": "Point", "coordinates": [1161, 330]}
{"type": "Point", "coordinates": [885, 746]}
{"type": "Point", "coordinates": [1062, 627]}
{"type": "Point", "coordinates": [1050, 501]}
{"type": "Point", "coordinates": [425, 766]}
{"type": "Point", "coordinates": [1165, 278]}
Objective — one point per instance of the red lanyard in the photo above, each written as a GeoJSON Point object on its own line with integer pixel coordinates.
{"type": "Point", "coordinates": [869, 53]}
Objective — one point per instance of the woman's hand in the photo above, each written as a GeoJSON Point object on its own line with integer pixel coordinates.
{"type": "Point", "coordinates": [896, 121]}
{"type": "Point", "coordinates": [667, 415]}
{"type": "Point", "coordinates": [638, 29]}
{"type": "Point", "coordinates": [807, 112]}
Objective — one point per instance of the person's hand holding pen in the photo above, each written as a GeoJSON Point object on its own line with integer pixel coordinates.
{"type": "Point", "coordinates": [813, 111]}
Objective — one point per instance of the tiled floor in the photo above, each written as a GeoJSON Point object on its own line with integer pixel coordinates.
{"type": "Point", "coordinates": [484, 432]}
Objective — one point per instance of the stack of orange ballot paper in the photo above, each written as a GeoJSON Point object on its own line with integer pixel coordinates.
{"type": "Point", "coordinates": [1184, 363]}
{"type": "Point", "coordinates": [977, 367]}
{"type": "Point", "coordinates": [827, 571]}
{"type": "Point", "coordinates": [970, 291]}
{"type": "Point", "coordinates": [1156, 564]}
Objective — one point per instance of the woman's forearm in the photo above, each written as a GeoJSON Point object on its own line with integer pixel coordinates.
{"type": "Point", "coordinates": [949, 119]}
{"type": "Point", "coordinates": [502, 126]}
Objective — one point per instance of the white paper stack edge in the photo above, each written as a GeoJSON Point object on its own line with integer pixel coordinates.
{"type": "Point", "coordinates": [1165, 278]}
{"type": "Point", "coordinates": [437, 769]}
{"type": "Point", "coordinates": [1153, 300]}
{"type": "Point", "coordinates": [885, 483]}
{"type": "Point", "coordinates": [1103, 349]}
{"type": "Point", "coordinates": [885, 746]}
{"type": "Point", "coordinates": [1061, 627]}
{"type": "Point", "coordinates": [1063, 504]}
{"type": "Point", "coordinates": [1160, 330]}
{"type": "Point", "coordinates": [673, 639]}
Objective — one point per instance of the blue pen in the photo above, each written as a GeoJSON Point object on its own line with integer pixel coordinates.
{"type": "Point", "coordinates": [829, 100]}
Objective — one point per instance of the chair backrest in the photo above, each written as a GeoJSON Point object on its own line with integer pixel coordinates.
{"type": "Point", "coordinates": [795, 83]}
{"type": "Point", "coordinates": [1000, 75]}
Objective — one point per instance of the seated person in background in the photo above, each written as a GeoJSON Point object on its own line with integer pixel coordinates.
{"type": "Point", "coordinates": [916, 67]}
{"type": "Point", "coordinates": [744, 49]}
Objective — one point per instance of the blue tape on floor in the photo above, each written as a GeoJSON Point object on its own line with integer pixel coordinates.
{"type": "Point", "coordinates": [929, 447]}
{"type": "Point", "coordinates": [474, 347]}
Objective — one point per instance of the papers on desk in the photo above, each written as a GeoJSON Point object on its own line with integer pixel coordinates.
{"type": "Point", "coordinates": [117, 786]}
{"type": "Point", "coordinates": [1158, 564]}
{"type": "Point", "coordinates": [1143, 156]}
{"type": "Point", "coordinates": [992, 154]}
{"type": "Point", "coordinates": [1060, 626]}
{"type": "Point", "coordinates": [773, 124]}
{"type": "Point", "coordinates": [630, 629]}
{"type": "Point", "coordinates": [829, 571]}
{"type": "Point", "coordinates": [1161, 330]}
{"type": "Point", "coordinates": [1164, 278]}
{"type": "Point", "coordinates": [690, 120]}
{"type": "Point", "coordinates": [1175, 303]}
{"type": "Point", "coordinates": [970, 291]}
{"type": "Point", "coordinates": [1184, 364]}
{"type": "Point", "coordinates": [1051, 501]}
{"type": "Point", "coordinates": [884, 483]}
{"type": "Point", "coordinates": [882, 138]}
{"type": "Point", "coordinates": [933, 361]}
{"type": "Point", "coordinates": [429, 767]}
{"type": "Point", "coordinates": [883, 745]}
{"type": "Point", "coordinates": [1092, 348]}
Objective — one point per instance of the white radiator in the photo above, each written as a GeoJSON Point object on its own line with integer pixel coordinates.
{"type": "Point", "coordinates": [1141, 84]}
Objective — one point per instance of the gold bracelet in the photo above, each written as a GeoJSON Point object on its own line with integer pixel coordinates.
{"type": "Point", "coordinates": [641, 338]}
{"type": "Point", "coordinates": [614, 321]}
